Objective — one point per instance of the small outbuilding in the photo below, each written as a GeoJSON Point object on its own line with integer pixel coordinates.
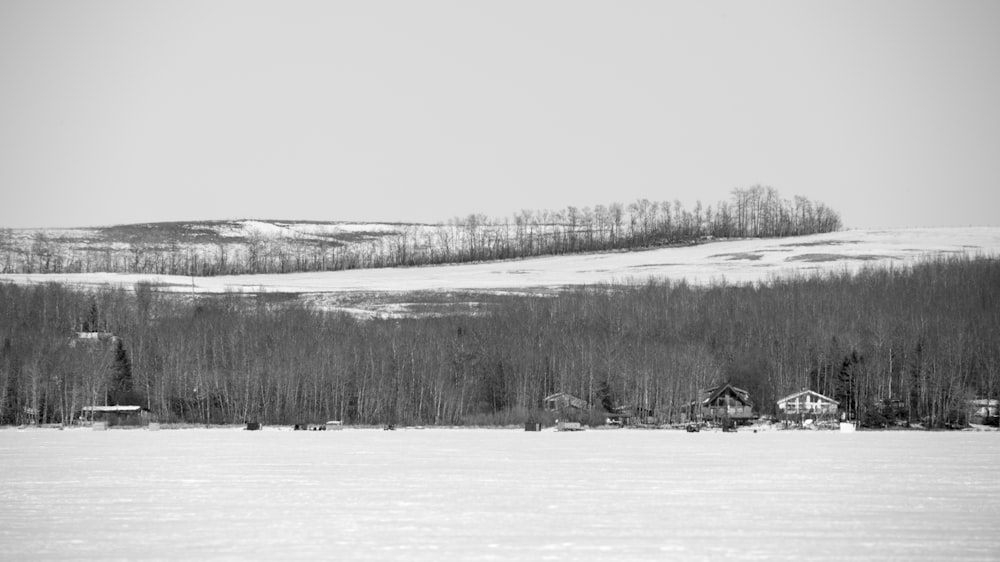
{"type": "Point", "coordinates": [807, 403]}
{"type": "Point", "coordinates": [116, 415]}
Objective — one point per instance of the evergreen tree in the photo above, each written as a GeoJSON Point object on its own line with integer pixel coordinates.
{"type": "Point", "coordinates": [121, 390]}
{"type": "Point", "coordinates": [847, 380]}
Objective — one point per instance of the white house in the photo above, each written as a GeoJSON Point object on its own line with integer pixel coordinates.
{"type": "Point", "coordinates": [807, 402]}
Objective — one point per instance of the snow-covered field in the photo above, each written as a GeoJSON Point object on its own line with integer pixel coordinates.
{"type": "Point", "coordinates": [244, 228]}
{"type": "Point", "coordinates": [440, 494]}
{"type": "Point", "coordinates": [740, 261]}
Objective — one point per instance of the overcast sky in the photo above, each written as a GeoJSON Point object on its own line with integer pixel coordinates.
{"type": "Point", "coordinates": [139, 111]}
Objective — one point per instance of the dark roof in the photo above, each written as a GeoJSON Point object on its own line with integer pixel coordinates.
{"type": "Point", "coordinates": [707, 395]}
{"type": "Point", "coordinates": [573, 401]}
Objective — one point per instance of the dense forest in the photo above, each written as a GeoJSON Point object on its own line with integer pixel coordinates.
{"type": "Point", "coordinates": [197, 250]}
{"type": "Point", "coordinates": [907, 344]}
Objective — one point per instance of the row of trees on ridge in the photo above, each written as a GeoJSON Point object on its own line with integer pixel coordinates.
{"type": "Point", "coordinates": [757, 211]}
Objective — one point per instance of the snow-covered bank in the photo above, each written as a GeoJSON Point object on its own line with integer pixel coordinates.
{"type": "Point", "coordinates": [498, 495]}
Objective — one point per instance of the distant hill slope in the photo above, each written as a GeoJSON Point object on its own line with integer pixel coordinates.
{"type": "Point", "coordinates": [197, 248]}
{"type": "Point", "coordinates": [233, 247]}
{"type": "Point", "coordinates": [267, 246]}
{"type": "Point", "coordinates": [738, 261]}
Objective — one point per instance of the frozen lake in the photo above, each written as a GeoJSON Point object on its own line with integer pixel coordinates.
{"type": "Point", "coordinates": [440, 494]}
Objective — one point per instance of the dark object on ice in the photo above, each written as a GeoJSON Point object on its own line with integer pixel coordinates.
{"type": "Point", "coordinates": [532, 426]}
{"type": "Point", "coordinates": [693, 428]}
{"type": "Point", "coordinates": [390, 427]}
{"type": "Point", "coordinates": [253, 426]}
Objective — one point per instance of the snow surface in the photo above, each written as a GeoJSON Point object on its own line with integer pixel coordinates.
{"type": "Point", "coordinates": [279, 229]}
{"type": "Point", "coordinates": [742, 261]}
{"type": "Point", "coordinates": [440, 494]}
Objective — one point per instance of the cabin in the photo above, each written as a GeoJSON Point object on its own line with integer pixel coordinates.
{"type": "Point", "coordinates": [563, 402]}
{"type": "Point", "coordinates": [719, 403]}
{"type": "Point", "coordinates": [807, 403]}
{"type": "Point", "coordinates": [116, 415]}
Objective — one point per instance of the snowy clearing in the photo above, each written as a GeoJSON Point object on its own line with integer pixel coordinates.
{"type": "Point", "coordinates": [743, 261]}
{"type": "Point", "coordinates": [441, 494]}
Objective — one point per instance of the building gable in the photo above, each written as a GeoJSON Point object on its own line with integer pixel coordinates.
{"type": "Point", "coordinates": [807, 401]}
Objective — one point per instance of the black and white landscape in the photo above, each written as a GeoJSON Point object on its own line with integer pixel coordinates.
{"type": "Point", "coordinates": [449, 280]}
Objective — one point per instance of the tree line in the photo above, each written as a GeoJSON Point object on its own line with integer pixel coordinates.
{"type": "Point", "coordinates": [757, 211]}
{"type": "Point", "coordinates": [903, 344]}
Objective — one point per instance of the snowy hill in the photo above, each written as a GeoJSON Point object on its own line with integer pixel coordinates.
{"type": "Point", "coordinates": [737, 261]}
{"type": "Point", "coordinates": [201, 248]}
